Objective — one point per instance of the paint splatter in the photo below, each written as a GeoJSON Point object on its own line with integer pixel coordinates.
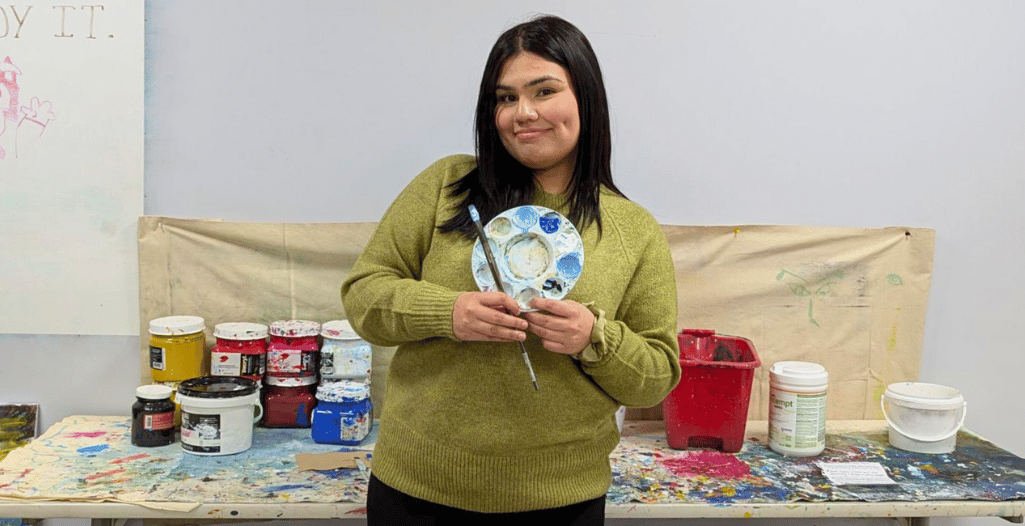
{"type": "Point", "coordinates": [93, 450]}
{"type": "Point", "coordinates": [707, 463]}
{"type": "Point", "coordinates": [129, 459]}
{"type": "Point", "coordinates": [86, 434]}
{"type": "Point", "coordinates": [105, 474]}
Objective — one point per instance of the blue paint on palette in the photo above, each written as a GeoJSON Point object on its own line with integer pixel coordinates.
{"type": "Point", "coordinates": [525, 217]}
{"type": "Point", "coordinates": [93, 450]}
{"type": "Point", "coordinates": [569, 266]}
{"type": "Point", "coordinates": [549, 223]}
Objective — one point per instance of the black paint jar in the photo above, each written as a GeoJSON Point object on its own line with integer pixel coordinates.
{"type": "Point", "coordinates": [152, 416]}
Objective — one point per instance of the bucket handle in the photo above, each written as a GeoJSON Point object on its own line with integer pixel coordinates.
{"type": "Point", "coordinates": [964, 413]}
{"type": "Point", "coordinates": [259, 413]}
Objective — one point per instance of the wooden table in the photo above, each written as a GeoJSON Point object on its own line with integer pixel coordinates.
{"type": "Point", "coordinates": [85, 467]}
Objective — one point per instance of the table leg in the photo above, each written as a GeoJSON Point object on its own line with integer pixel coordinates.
{"type": "Point", "coordinates": [109, 522]}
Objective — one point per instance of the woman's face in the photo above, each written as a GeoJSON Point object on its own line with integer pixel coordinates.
{"type": "Point", "coordinates": [537, 116]}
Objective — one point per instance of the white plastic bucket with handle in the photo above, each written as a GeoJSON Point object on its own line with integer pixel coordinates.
{"type": "Point", "coordinates": [923, 418]}
{"type": "Point", "coordinates": [218, 414]}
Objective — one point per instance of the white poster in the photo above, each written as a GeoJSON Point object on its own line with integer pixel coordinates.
{"type": "Point", "coordinates": [71, 166]}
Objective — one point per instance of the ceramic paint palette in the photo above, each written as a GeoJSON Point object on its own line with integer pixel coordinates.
{"type": "Point", "coordinates": [538, 252]}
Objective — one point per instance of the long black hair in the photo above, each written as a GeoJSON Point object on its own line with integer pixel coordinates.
{"type": "Point", "coordinates": [499, 181]}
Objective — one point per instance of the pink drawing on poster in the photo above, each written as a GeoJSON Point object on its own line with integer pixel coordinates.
{"type": "Point", "coordinates": [8, 96]}
{"type": "Point", "coordinates": [37, 113]}
{"type": "Point", "coordinates": [9, 89]}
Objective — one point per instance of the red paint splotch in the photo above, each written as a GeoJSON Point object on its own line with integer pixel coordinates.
{"type": "Point", "coordinates": [86, 434]}
{"type": "Point", "coordinates": [708, 463]}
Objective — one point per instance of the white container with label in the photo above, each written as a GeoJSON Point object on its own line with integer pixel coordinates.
{"type": "Point", "coordinates": [218, 414]}
{"type": "Point", "coordinates": [343, 354]}
{"type": "Point", "coordinates": [797, 408]}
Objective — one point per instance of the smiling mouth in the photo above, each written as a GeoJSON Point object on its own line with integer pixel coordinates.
{"type": "Point", "coordinates": [529, 134]}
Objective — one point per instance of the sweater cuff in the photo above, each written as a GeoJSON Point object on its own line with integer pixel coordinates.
{"type": "Point", "coordinates": [431, 311]}
{"type": "Point", "coordinates": [597, 349]}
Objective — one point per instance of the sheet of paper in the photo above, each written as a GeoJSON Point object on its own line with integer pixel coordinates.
{"type": "Point", "coordinates": [855, 473]}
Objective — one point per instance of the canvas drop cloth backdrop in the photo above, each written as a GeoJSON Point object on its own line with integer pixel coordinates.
{"type": "Point", "coordinates": [851, 299]}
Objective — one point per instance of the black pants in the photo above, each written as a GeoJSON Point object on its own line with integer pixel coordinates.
{"type": "Point", "coordinates": [387, 506]}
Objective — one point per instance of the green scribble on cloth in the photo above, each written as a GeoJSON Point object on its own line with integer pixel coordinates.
{"type": "Point", "coordinates": [804, 288]}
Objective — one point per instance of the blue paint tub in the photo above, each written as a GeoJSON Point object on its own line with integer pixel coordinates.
{"type": "Point", "coordinates": [344, 414]}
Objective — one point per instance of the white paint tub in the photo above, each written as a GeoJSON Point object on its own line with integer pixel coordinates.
{"type": "Point", "coordinates": [923, 418]}
{"type": "Point", "coordinates": [218, 414]}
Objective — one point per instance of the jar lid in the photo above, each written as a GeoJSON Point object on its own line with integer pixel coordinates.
{"type": "Point", "coordinates": [919, 395]}
{"type": "Point", "coordinates": [339, 330]}
{"type": "Point", "coordinates": [294, 328]}
{"type": "Point", "coordinates": [290, 381]}
{"type": "Point", "coordinates": [799, 373]}
{"type": "Point", "coordinates": [240, 331]}
{"type": "Point", "coordinates": [175, 325]}
{"type": "Point", "coordinates": [343, 390]}
{"type": "Point", "coordinates": [217, 387]}
{"type": "Point", "coordinates": [153, 392]}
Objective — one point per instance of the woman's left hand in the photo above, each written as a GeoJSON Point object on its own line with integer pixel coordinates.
{"type": "Point", "coordinates": [564, 327]}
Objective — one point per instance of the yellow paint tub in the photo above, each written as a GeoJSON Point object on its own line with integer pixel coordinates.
{"type": "Point", "coordinates": [176, 348]}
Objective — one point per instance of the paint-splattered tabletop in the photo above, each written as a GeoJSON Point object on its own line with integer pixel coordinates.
{"type": "Point", "coordinates": [90, 458]}
{"type": "Point", "coordinates": [645, 469]}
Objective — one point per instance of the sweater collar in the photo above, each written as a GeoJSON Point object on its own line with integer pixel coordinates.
{"type": "Point", "coordinates": [557, 202]}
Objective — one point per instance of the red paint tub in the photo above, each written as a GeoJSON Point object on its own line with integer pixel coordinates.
{"type": "Point", "coordinates": [709, 407]}
{"type": "Point", "coordinates": [241, 350]}
{"type": "Point", "coordinates": [294, 348]}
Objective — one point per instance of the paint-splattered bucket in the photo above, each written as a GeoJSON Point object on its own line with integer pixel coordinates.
{"type": "Point", "coordinates": [218, 413]}
{"type": "Point", "coordinates": [923, 418]}
{"type": "Point", "coordinates": [709, 406]}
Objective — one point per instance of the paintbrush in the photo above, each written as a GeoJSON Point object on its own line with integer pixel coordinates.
{"type": "Point", "coordinates": [498, 280]}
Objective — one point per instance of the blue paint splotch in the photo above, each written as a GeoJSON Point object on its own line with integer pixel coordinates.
{"type": "Point", "coordinates": [287, 487]}
{"type": "Point", "coordinates": [91, 451]}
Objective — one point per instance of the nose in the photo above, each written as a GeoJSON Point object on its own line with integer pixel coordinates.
{"type": "Point", "coordinates": [525, 110]}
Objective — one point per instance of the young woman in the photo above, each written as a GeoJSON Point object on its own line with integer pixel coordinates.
{"type": "Point", "coordinates": [463, 431]}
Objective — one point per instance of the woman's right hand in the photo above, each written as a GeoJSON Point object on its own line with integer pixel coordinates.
{"type": "Point", "coordinates": [487, 316]}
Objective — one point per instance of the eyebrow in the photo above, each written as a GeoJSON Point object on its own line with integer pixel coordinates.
{"type": "Point", "coordinates": [539, 80]}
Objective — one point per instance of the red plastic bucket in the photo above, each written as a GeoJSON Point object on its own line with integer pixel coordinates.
{"type": "Point", "coordinates": [708, 408]}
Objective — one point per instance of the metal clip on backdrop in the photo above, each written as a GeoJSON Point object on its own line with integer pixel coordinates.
{"type": "Point", "coordinates": [498, 280]}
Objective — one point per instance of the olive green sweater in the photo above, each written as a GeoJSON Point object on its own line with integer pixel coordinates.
{"type": "Point", "coordinates": [461, 424]}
